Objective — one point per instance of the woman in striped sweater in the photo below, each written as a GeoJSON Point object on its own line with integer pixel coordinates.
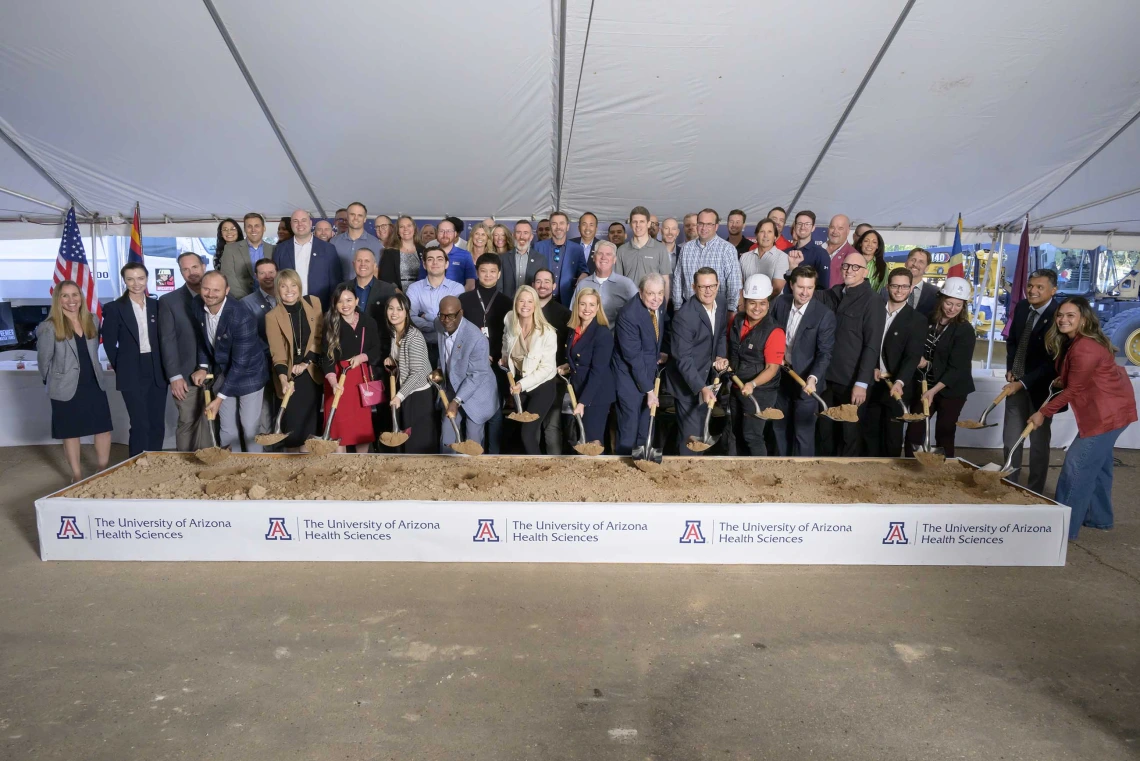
{"type": "Point", "coordinates": [408, 359]}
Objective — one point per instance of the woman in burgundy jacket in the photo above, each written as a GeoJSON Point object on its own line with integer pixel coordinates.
{"type": "Point", "coordinates": [1101, 396]}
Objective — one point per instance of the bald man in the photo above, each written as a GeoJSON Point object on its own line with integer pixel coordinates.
{"type": "Point", "coordinates": [465, 359]}
{"type": "Point", "coordinates": [838, 230]}
{"type": "Point", "coordinates": [315, 260]}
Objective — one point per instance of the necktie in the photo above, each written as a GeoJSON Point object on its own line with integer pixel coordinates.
{"type": "Point", "coordinates": [1023, 345]}
{"type": "Point", "coordinates": [914, 297]}
{"type": "Point", "coordinates": [656, 329]}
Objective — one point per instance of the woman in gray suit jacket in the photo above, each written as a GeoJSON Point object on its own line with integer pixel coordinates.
{"type": "Point", "coordinates": [67, 346]}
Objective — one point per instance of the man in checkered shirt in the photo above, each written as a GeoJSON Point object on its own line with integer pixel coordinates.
{"type": "Point", "coordinates": [707, 250]}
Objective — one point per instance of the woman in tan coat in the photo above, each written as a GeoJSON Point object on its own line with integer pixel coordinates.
{"type": "Point", "coordinates": [294, 330]}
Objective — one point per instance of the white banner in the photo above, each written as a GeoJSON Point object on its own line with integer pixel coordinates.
{"type": "Point", "coordinates": [552, 532]}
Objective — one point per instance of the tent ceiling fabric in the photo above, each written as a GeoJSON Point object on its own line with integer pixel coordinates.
{"type": "Point", "coordinates": [977, 107]}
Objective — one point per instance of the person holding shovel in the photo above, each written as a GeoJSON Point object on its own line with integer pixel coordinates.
{"type": "Point", "coordinates": [407, 359]}
{"type": "Point", "coordinates": [530, 346]}
{"type": "Point", "coordinates": [1100, 395]}
{"type": "Point", "coordinates": [294, 330]}
{"type": "Point", "coordinates": [699, 347]}
{"type": "Point", "coordinates": [755, 352]}
{"type": "Point", "coordinates": [589, 350]}
{"type": "Point", "coordinates": [946, 364]}
{"type": "Point", "coordinates": [352, 346]}
{"type": "Point", "coordinates": [641, 346]}
{"type": "Point", "coordinates": [465, 360]}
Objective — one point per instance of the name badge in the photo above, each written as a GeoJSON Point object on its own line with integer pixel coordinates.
{"type": "Point", "coordinates": [486, 332]}
{"type": "Point", "coordinates": [749, 346]}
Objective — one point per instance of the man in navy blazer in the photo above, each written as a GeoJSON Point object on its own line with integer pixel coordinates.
{"type": "Point", "coordinates": [314, 260]}
{"type": "Point", "coordinates": [639, 350]}
{"type": "Point", "coordinates": [130, 338]}
{"type": "Point", "coordinates": [809, 329]}
{"type": "Point", "coordinates": [465, 359]}
{"type": "Point", "coordinates": [699, 345]}
{"type": "Point", "coordinates": [566, 259]}
{"type": "Point", "coordinates": [230, 349]}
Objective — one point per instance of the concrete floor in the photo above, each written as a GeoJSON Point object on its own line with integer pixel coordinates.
{"type": "Point", "coordinates": [402, 661]}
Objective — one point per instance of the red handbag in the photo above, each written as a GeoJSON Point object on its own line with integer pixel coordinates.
{"type": "Point", "coordinates": [372, 392]}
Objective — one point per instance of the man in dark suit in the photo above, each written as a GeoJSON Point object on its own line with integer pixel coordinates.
{"type": "Point", "coordinates": [859, 320]}
{"type": "Point", "coordinates": [314, 260]}
{"type": "Point", "coordinates": [230, 349]}
{"type": "Point", "coordinates": [699, 345]}
{"type": "Point", "coordinates": [372, 294]}
{"type": "Point", "coordinates": [521, 265]}
{"type": "Point", "coordinates": [904, 335]}
{"type": "Point", "coordinates": [641, 345]}
{"type": "Point", "coordinates": [178, 345]}
{"type": "Point", "coordinates": [1029, 371]}
{"type": "Point", "coordinates": [809, 329]}
{"type": "Point", "coordinates": [237, 259]}
{"type": "Point", "coordinates": [130, 337]}
{"type": "Point", "coordinates": [264, 297]}
{"type": "Point", "coordinates": [487, 308]}
{"type": "Point", "coordinates": [923, 295]}
{"type": "Point", "coordinates": [558, 316]}
{"type": "Point", "coordinates": [564, 258]}
{"type": "Point", "coordinates": [588, 230]}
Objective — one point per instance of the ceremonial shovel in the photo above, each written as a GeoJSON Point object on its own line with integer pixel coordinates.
{"type": "Point", "coordinates": [981, 422]}
{"type": "Point", "coordinates": [907, 415]}
{"type": "Point", "coordinates": [324, 445]}
{"type": "Point", "coordinates": [769, 414]}
{"type": "Point", "coordinates": [706, 441]}
{"type": "Point", "coordinates": [213, 454]}
{"type": "Point", "coordinates": [269, 439]}
{"type": "Point", "coordinates": [519, 414]}
{"type": "Point", "coordinates": [590, 448]}
{"type": "Point", "coordinates": [844, 413]}
{"type": "Point", "coordinates": [395, 437]}
{"type": "Point", "coordinates": [926, 455]}
{"type": "Point", "coordinates": [992, 474]}
{"type": "Point", "coordinates": [645, 457]}
{"type": "Point", "coordinates": [459, 445]}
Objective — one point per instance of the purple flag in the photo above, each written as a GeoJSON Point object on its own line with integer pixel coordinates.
{"type": "Point", "coordinates": [1020, 278]}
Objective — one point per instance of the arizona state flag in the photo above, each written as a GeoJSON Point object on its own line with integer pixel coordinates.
{"type": "Point", "coordinates": [957, 265]}
{"type": "Point", "coordinates": [136, 252]}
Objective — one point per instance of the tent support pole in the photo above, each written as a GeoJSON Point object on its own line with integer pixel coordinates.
{"type": "Point", "coordinates": [222, 30]}
{"type": "Point", "coordinates": [43, 172]}
{"type": "Point", "coordinates": [997, 286]}
{"type": "Point", "coordinates": [561, 104]}
{"type": "Point", "coordinates": [31, 199]}
{"type": "Point", "coordinates": [854, 99]}
{"type": "Point", "coordinates": [1089, 205]}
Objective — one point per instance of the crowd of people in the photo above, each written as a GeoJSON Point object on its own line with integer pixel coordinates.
{"type": "Point", "coordinates": [497, 332]}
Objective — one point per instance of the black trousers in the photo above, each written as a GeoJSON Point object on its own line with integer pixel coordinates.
{"type": "Point", "coordinates": [537, 401]}
{"type": "Point", "coordinates": [146, 408]}
{"type": "Point", "coordinates": [417, 412]}
{"type": "Point", "coordinates": [795, 434]}
{"type": "Point", "coordinates": [747, 429]}
{"type": "Point", "coordinates": [948, 411]}
{"type": "Point", "coordinates": [691, 412]}
{"type": "Point", "coordinates": [882, 434]}
{"type": "Point", "coordinates": [838, 439]}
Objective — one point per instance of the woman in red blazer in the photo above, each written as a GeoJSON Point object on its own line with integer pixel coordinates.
{"type": "Point", "coordinates": [1101, 396]}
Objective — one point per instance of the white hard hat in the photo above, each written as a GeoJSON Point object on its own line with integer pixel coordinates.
{"type": "Point", "coordinates": [956, 288]}
{"type": "Point", "coordinates": [758, 287]}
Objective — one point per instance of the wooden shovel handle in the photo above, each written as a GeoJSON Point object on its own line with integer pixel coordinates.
{"type": "Point", "coordinates": [443, 398]}
{"type": "Point", "coordinates": [573, 396]}
{"type": "Point", "coordinates": [337, 393]}
{"type": "Point", "coordinates": [1004, 393]}
{"type": "Point", "coordinates": [657, 393]}
{"type": "Point", "coordinates": [285, 399]}
{"type": "Point", "coordinates": [392, 384]}
{"type": "Point", "coordinates": [795, 377]}
{"type": "Point", "coordinates": [925, 401]}
{"type": "Point", "coordinates": [739, 383]}
{"type": "Point", "coordinates": [1028, 429]}
{"type": "Point", "coordinates": [206, 394]}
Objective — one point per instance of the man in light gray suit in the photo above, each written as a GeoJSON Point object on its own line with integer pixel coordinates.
{"type": "Point", "coordinates": [178, 342]}
{"type": "Point", "coordinates": [464, 358]}
{"type": "Point", "coordinates": [239, 257]}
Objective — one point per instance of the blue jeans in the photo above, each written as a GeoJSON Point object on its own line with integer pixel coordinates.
{"type": "Point", "coordinates": [1085, 484]}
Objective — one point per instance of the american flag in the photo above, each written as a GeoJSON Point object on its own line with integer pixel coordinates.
{"type": "Point", "coordinates": [71, 264]}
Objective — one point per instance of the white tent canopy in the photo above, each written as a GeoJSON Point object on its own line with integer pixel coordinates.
{"type": "Point", "coordinates": [902, 113]}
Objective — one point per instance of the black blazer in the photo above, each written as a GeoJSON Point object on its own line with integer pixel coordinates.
{"type": "Point", "coordinates": [558, 316]}
{"type": "Point", "coordinates": [950, 364]}
{"type": "Point", "coordinates": [903, 344]}
{"type": "Point", "coordinates": [1040, 369]}
{"type": "Point", "coordinates": [377, 299]}
{"type": "Point", "coordinates": [859, 320]}
{"type": "Point", "coordinates": [508, 272]}
{"type": "Point", "coordinates": [121, 340]}
{"type": "Point", "coordinates": [694, 346]}
{"type": "Point", "coordinates": [389, 269]}
{"type": "Point", "coordinates": [810, 352]}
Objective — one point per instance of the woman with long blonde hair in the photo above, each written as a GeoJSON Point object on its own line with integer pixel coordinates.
{"type": "Point", "coordinates": [589, 348]}
{"type": "Point", "coordinates": [478, 241]}
{"type": "Point", "coordinates": [67, 350]}
{"type": "Point", "coordinates": [502, 241]}
{"type": "Point", "coordinates": [530, 345]}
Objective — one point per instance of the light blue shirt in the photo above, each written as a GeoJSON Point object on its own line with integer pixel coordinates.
{"type": "Point", "coordinates": [255, 255]}
{"type": "Point", "coordinates": [425, 303]}
{"type": "Point", "coordinates": [615, 290]}
{"type": "Point", "coordinates": [346, 248]}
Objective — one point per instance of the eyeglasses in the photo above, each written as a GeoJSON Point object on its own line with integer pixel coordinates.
{"type": "Point", "coordinates": [852, 267]}
{"type": "Point", "coordinates": [712, 287]}
{"type": "Point", "coordinates": [449, 315]}
{"type": "Point", "coordinates": [900, 287]}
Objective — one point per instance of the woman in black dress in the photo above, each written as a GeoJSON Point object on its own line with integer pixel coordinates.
{"type": "Point", "coordinates": [407, 358]}
{"type": "Point", "coordinates": [294, 329]}
{"type": "Point", "coordinates": [68, 352]}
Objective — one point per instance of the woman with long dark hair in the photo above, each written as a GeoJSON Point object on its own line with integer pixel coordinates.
{"type": "Point", "coordinates": [400, 264]}
{"type": "Point", "coordinates": [1100, 395]}
{"type": "Point", "coordinates": [228, 232]}
{"type": "Point", "coordinates": [407, 359]}
{"type": "Point", "coordinates": [352, 343]}
{"type": "Point", "coordinates": [870, 245]}
{"type": "Point", "coordinates": [946, 363]}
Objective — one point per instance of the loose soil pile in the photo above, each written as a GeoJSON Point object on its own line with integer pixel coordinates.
{"type": "Point", "coordinates": [564, 479]}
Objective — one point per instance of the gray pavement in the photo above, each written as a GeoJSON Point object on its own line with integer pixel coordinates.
{"type": "Point", "coordinates": [405, 661]}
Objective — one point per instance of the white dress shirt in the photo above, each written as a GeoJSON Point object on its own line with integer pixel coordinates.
{"type": "Point", "coordinates": [794, 316]}
{"type": "Point", "coordinates": [212, 322]}
{"type": "Point", "coordinates": [140, 320]}
{"type": "Point", "coordinates": [302, 253]}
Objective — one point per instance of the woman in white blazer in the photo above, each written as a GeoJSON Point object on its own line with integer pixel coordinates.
{"type": "Point", "coordinates": [529, 347]}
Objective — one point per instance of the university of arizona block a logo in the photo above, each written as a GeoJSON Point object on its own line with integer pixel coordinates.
{"type": "Point", "coordinates": [486, 531]}
{"type": "Point", "coordinates": [896, 534]}
{"type": "Point", "coordinates": [68, 529]}
{"type": "Point", "coordinates": [277, 530]}
{"type": "Point", "coordinates": [692, 533]}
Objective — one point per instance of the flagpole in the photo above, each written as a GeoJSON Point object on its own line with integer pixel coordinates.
{"type": "Point", "coordinates": [997, 287]}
